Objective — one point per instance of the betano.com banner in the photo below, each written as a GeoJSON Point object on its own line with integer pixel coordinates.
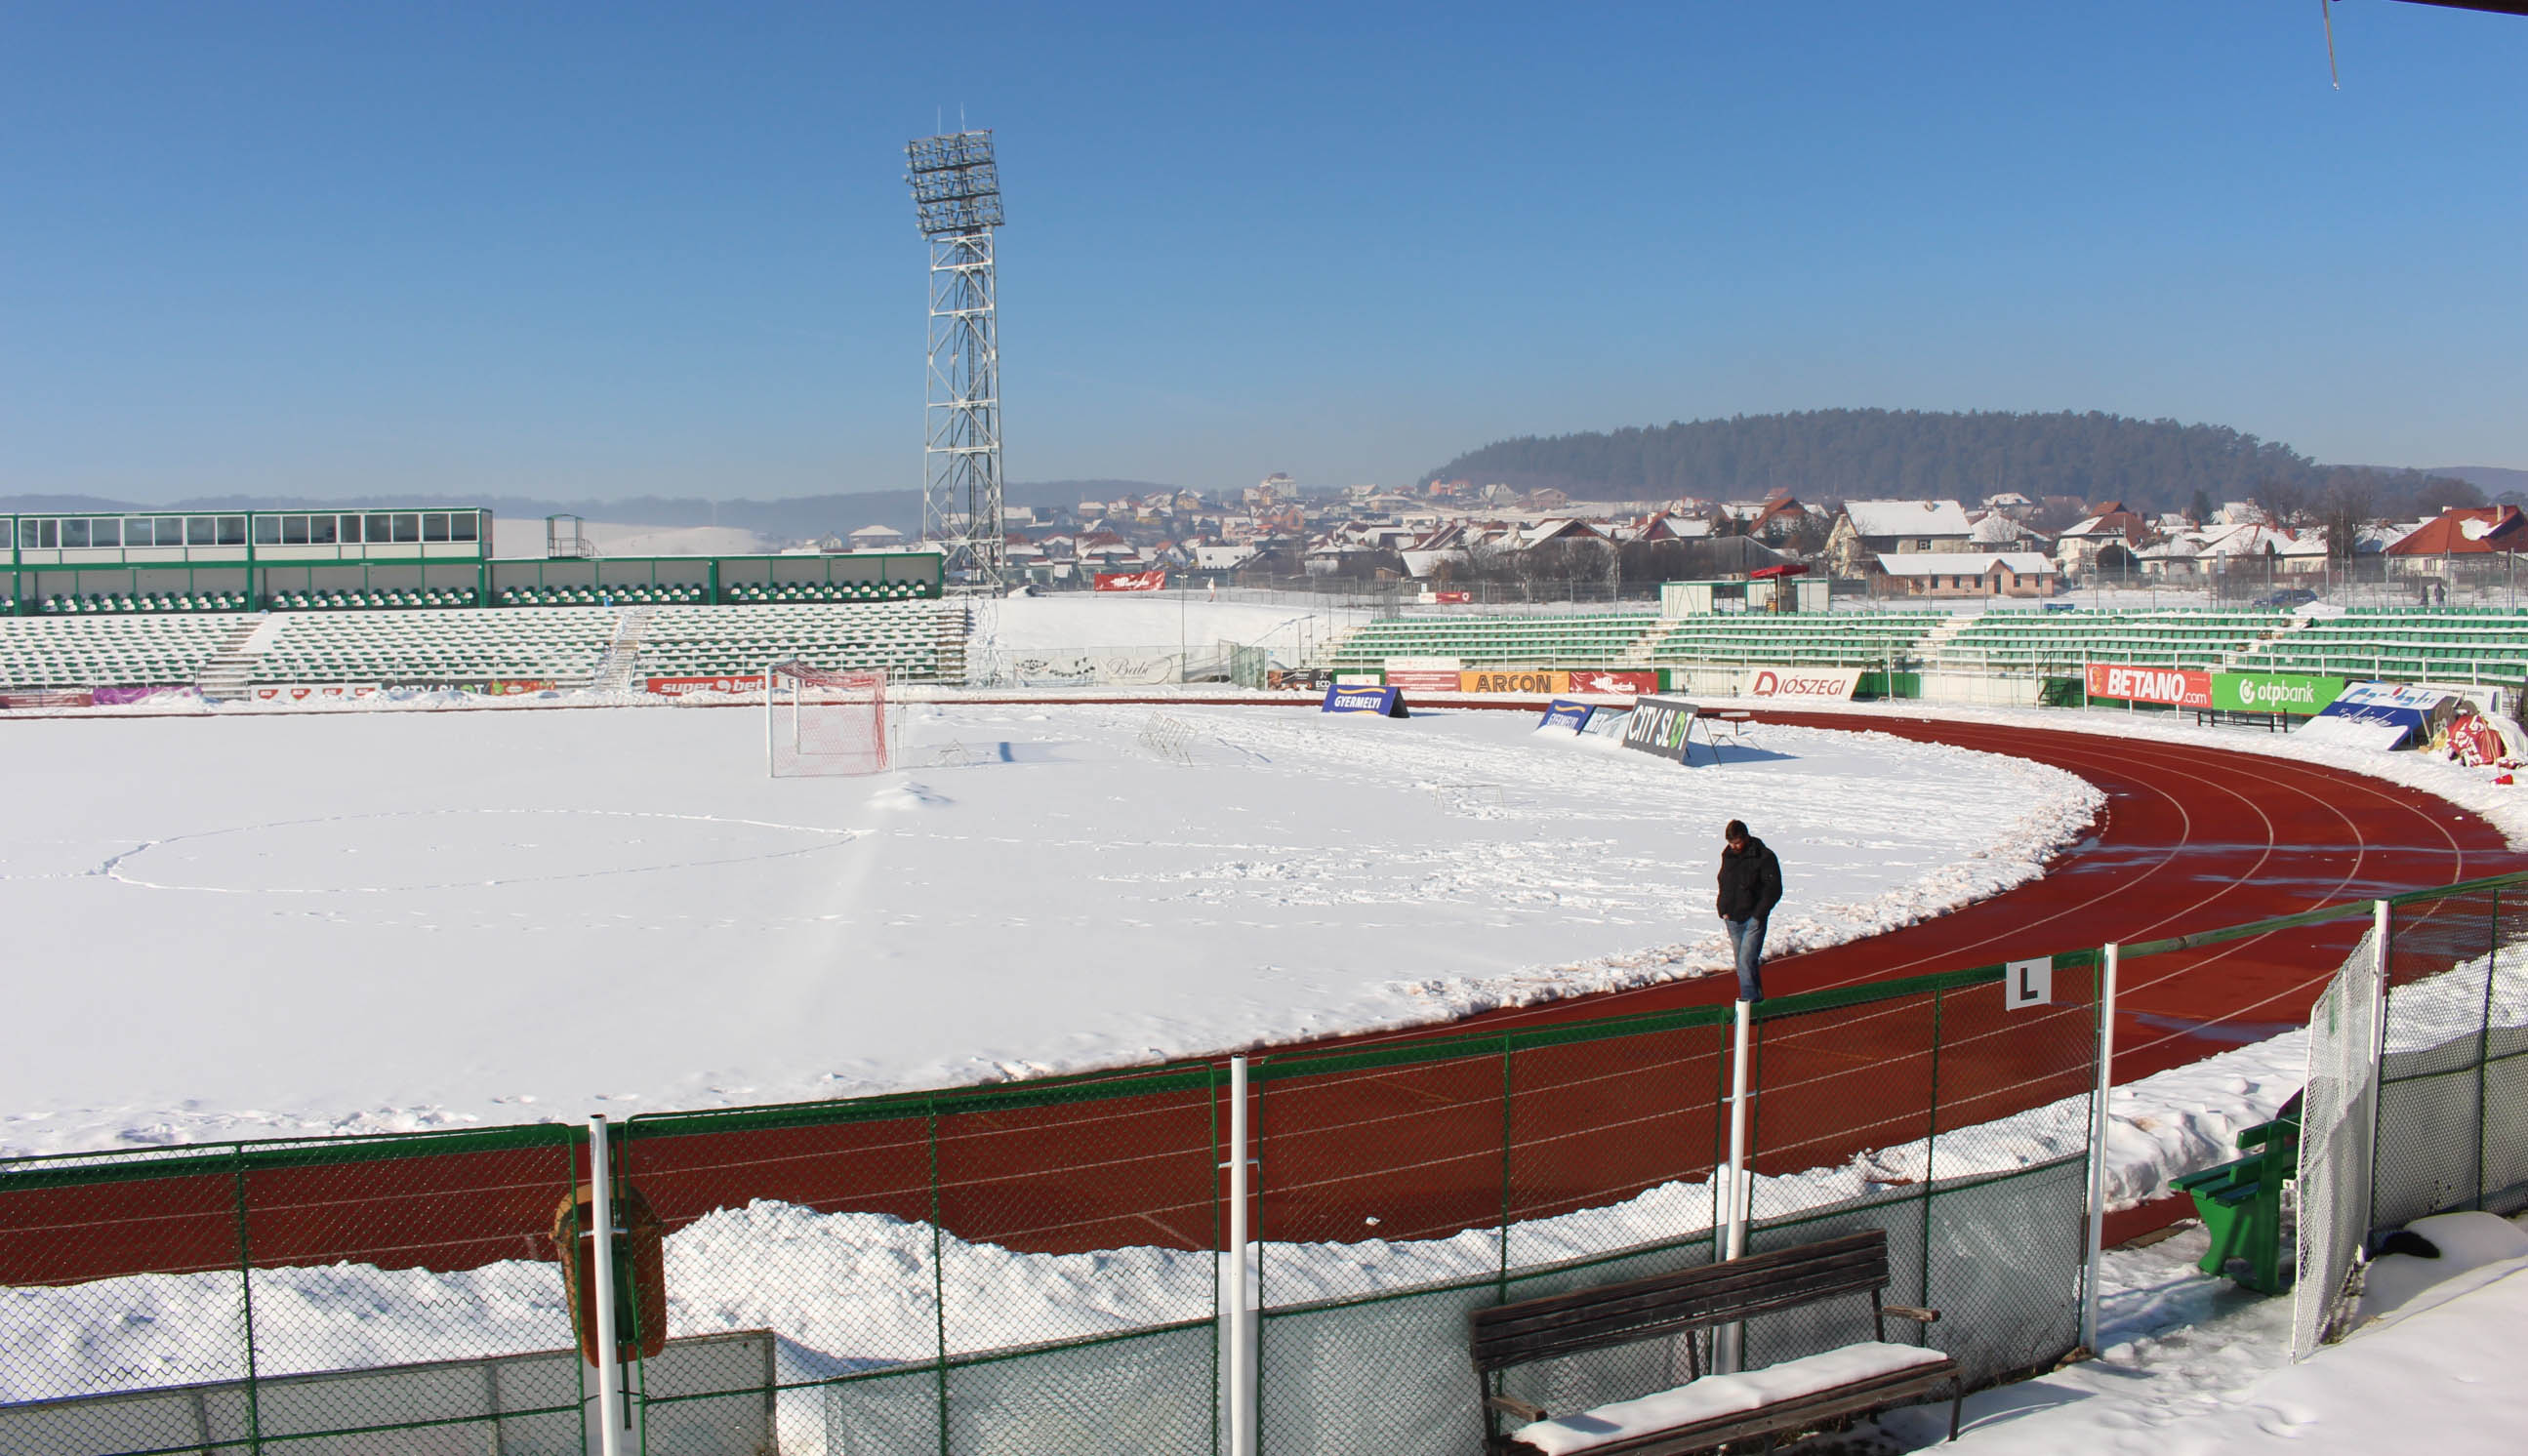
{"type": "Point", "coordinates": [2176, 687]}
{"type": "Point", "coordinates": [1132, 581]}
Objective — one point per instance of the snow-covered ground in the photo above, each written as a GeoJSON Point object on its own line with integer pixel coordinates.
{"type": "Point", "coordinates": [359, 920]}
{"type": "Point", "coordinates": [2194, 1367]}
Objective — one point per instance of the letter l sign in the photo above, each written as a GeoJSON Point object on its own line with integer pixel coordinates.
{"type": "Point", "coordinates": [2028, 983]}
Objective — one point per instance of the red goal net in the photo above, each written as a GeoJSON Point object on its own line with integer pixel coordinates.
{"type": "Point", "coordinates": [818, 721]}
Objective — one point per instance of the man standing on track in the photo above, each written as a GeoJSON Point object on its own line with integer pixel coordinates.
{"type": "Point", "coordinates": [1751, 885]}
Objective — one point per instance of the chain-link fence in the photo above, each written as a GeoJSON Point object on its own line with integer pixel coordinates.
{"type": "Point", "coordinates": [1047, 1266]}
{"type": "Point", "coordinates": [2417, 1097]}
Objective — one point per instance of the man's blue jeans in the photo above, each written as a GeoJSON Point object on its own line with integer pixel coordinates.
{"type": "Point", "coordinates": [1747, 939]}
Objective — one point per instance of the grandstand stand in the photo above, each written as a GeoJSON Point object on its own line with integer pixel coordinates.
{"type": "Point", "coordinates": [2044, 643]}
{"type": "Point", "coordinates": [562, 647]}
{"type": "Point", "coordinates": [920, 640]}
{"type": "Point", "coordinates": [397, 599]}
{"type": "Point", "coordinates": [1595, 640]}
{"type": "Point", "coordinates": [85, 652]}
{"type": "Point", "coordinates": [2438, 643]}
{"type": "Point", "coordinates": [1800, 639]}
{"type": "Point", "coordinates": [63, 604]}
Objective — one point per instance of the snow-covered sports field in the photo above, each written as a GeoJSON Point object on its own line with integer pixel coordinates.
{"type": "Point", "coordinates": [353, 920]}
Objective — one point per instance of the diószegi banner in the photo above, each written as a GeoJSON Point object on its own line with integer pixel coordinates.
{"type": "Point", "coordinates": [2176, 687]}
{"type": "Point", "coordinates": [1814, 683]}
{"type": "Point", "coordinates": [1660, 725]}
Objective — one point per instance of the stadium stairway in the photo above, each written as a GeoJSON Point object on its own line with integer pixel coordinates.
{"type": "Point", "coordinates": [227, 674]}
{"type": "Point", "coordinates": [615, 670]}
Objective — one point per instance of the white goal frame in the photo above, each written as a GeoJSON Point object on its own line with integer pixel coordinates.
{"type": "Point", "coordinates": [822, 722]}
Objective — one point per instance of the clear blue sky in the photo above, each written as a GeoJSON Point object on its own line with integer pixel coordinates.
{"type": "Point", "coordinates": [599, 250]}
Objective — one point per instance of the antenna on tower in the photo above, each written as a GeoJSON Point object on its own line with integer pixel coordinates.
{"type": "Point", "coordinates": [957, 200]}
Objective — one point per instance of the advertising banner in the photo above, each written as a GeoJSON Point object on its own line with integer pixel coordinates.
{"type": "Point", "coordinates": [1615, 684]}
{"type": "Point", "coordinates": [1386, 702]}
{"type": "Point", "coordinates": [1814, 684]}
{"type": "Point", "coordinates": [2274, 691]}
{"type": "Point", "coordinates": [1130, 581]}
{"type": "Point", "coordinates": [111, 697]}
{"type": "Point", "coordinates": [1660, 726]}
{"type": "Point", "coordinates": [1503, 680]}
{"type": "Point", "coordinates": [49, 698]}
{"type": "Point", "coordinates": [1543, 681]}
{"type": "Point", "coordinates": [294, 695]}
{"type": "Point", "coordinates": [679, 687]}
{"type": "Point", "coordinates": [2471, 740]}
{"type": "Point", "coordinates": [1429, 674]}
{"type": "Point", "coordinates": [1569, 717]}
{"type": "Point", "coordinates": [2177, 686]}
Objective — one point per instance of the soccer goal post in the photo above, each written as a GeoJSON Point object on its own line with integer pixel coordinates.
{"type": "Point", "coordinates": [818, 721]}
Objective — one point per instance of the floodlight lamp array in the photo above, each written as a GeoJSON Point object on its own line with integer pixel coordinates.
{"type": "Point", "coordinates": [955, 187]}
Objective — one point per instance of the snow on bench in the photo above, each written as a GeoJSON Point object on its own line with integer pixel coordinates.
{"type": "Point", "coordinates": [1716, 1397]}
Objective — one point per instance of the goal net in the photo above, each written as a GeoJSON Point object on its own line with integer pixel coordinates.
{"type": "Point", "coordinates": [819, 722]}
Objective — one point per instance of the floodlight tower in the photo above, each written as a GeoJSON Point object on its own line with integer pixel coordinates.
{"type": "Point", "coordinates": [956, 194]}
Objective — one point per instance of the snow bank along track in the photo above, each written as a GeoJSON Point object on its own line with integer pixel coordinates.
{"type": "Point", "coordinates": [2192, 839]}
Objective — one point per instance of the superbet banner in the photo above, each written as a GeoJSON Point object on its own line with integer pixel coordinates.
{"type": "Point", "coordinates": [2177, 686]}
{"type": "Point", "coordinates": [1132, 581]}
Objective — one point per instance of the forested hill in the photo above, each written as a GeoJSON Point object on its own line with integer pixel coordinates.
{"type": "Point", "coordinates": [1912, 454]}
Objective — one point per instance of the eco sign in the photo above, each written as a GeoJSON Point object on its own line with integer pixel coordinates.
{"type": "Point", "coordinates": [2274, 691]}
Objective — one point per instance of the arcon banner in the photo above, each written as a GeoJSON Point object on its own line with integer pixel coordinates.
{"type": "Point", "coordinates": [1811, 683]}
{"type": "Point", "coordinates": [2177, 686]}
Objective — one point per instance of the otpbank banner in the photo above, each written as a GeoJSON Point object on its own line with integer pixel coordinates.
{"type": "Point", "coordinates": [2176, 687]}
{"type": "Point", "coordinates": [2275, 692]}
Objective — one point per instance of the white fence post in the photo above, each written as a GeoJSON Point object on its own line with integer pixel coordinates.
{"type": "Point", "coordinates": [1241, 1332]}
{"type": "Point", "coordinates": [1729, 1345]}
{"type": "Point", "coordinates": [601, 1218]}
{"type": "Point", "coordinates": [2091, 1298]}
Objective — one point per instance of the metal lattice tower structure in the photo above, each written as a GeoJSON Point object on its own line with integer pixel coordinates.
{"type": "Point", "coordinates": [956, 194]}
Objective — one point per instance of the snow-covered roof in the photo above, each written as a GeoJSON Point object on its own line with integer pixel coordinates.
{"type": "Point", "coordinates": [1907, 517]}
{"type": "Point", "coordinates": [1997, 529]}
{"type": "Point", "coordinates": [1965, 563]}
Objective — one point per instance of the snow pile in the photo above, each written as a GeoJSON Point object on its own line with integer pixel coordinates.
{"type": "Point", "coordinates": [2193, 1366]}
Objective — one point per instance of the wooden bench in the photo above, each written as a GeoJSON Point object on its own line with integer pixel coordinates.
{"type": "Point", "coordinates": [1710, 1408]}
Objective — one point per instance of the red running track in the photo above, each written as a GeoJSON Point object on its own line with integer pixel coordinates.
{"type": "Point", "coordinates": [2192, 838]}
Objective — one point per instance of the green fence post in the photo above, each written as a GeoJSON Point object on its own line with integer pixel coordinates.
{"type": "Point", "coordinates": [1504, 1284]}
{"type": "Point", "coordinates": [2483, 1039]}
{"type": "Point", "coordinates": [245, 1294]}
{"type": "Point", "coordinates": [938, 1281]}
{"type": "Point", "coordinates": [1930, 1148]}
